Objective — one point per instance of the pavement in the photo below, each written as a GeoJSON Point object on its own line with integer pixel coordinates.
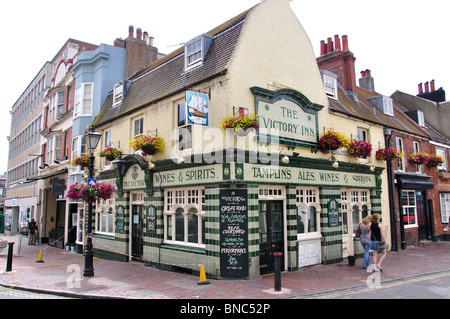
{"type": "Point", "coordinates": [61, 273]}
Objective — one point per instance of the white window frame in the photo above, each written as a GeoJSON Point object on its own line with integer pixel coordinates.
{"type": "Point", "coordinates": [388, 106]}
{"type": "Point", "coordinates": [330, 86]}
{"type": "Point", "coordinates": [416, 149]}
{"type": "Point", "coordinates": [444, 200]}
{"type": "Point", "coordinates": [355, 198]}
{"type": "Point", "coordinates": [78, 149]}
{"type": "Point", "coordinates": [118, 94]}
{"type": "Point", "coordinates": [307, 198]}
{"type": "Point", "coordinates": [407, 207]}
{"type": "Point", "coordinates": [83, 100]}
{"type": "Point", "coordinates": [442, 152]}
{"type": "Point", "coordinates": [399, 145]}
{"type": "Point", "coordinates": [184, 130]}
{"type": "Point", "coordinates": [106, 144]}
{"type": "Point", "coordinates": [186, 199]}
{"type": "Point", "coordinates": [420, 118]}
{"type": "Point", "coordinates": [105, 219]}
{"type": "Point", "coordinates": [138, 126]}
{"type": "Point", "coordinates": [194, 48]}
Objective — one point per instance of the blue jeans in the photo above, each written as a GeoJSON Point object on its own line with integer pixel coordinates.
{"type": "Point", "coordinates": [366, 259]}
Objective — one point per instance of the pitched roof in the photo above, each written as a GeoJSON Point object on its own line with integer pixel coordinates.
{"type": "Point", "coordinates": [167, 76]}
{"type": "Point", "coordinates": [364, 110]}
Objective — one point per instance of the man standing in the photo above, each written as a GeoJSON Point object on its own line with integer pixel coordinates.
{"type": "Point", "coordinates": [32, 230]}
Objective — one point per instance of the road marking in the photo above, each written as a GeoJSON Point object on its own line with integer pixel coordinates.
{"type": "Point", "coordinates": [387, 285]}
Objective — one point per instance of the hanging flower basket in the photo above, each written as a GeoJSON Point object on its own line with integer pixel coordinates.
{"type": "Point", "coordinates": [387, 154]}
{"type": "Point", "coordinates": [434, 160]}
{"type": "Point", "coordinates": [90, 193]}
{"type": "Point", "coordinates": [418, 158]}
{"type": "Point", "coordinates": [242, 125]}
{"type": "Point", "coordinates": [147, 144]}
{"type": "Point", "coordinates": [82, 161]}
{"type": "Point", "coordinates": [331, 141]}
{"type": "Point", "coordinates": [359, 149]}
{"type": "Point", "coordinates": [110, 153]}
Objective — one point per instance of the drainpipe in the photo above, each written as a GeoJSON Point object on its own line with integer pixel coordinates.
{"type": "Point", "coordinates": [388, 133]}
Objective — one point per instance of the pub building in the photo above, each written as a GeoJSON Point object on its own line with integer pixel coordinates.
{"type": "Point", "coordinates": [227, 199]}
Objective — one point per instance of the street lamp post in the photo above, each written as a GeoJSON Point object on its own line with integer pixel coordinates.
{"type": "Point", "coordinates": [92, 138]}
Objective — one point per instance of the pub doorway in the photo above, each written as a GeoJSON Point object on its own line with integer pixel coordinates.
{"type": "Point", "coordinates": [271, 235]}
{"type": "Point", "coordinates": [137, 226]}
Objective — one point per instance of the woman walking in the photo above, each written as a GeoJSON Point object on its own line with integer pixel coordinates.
{"type": "Point", "coordinates": [364, 227]}
{"type": "Point", "coordinates": [377, 241]}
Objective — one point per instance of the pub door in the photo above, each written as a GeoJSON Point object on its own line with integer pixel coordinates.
{"type": "Point", "coordinates": [137, 238]}
{"type": "Point", "coordinates": [270, 234]}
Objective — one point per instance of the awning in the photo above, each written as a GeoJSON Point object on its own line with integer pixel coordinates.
{"type": "Point", "coordinates": [413, 181]}
{"type": "Point", "coordinates": [46, 175]}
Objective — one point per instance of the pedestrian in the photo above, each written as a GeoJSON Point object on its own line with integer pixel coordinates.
{"type": "Point", "coordinates": [32, 230]}
{"type": "Point", "coordinates": [364, 227]}
{"type": "Point", "coordinates": [377, 241]}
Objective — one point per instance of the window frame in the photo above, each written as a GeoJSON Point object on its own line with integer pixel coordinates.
{"type": "Point", "coordinates": [117, 95]}
{"type": "Point", "coordinates": [442, 152]}
{"type": "Point", "coordinates": [409, 206]}
{"type": "Point", "coordinates": [81, 107]}
{"type": "Point", "coordinates": [352, 198]}
{"type": "Point", "coordinates": [305, 199]}
{"type": "Point", "coordinates": [184, 130]}
{"type": "Point", "coordinates": [182, 198]}
{"type": "Point", "coordinates": [399, 145]}
{"type": "Point", "coordinates": [139, 121]}
{"type": "Point", "coordinates": [105, 207]}
{"type": "Point", "coordinates": [444, 207]}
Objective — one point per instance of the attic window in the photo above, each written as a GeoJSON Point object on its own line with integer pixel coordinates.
{"type": "Point", "coordinates": [195, 51]}
{"type": "Point", "coordinates": [388, 108]}
{"type": "Point", "coordinates": [420, 118]}
{"type": "Point", "coordinates": [118, 93]}
{"type": "Point", "coordinates": [330, 83]}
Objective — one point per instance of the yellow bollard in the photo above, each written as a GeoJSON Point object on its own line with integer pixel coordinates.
{"type": "Point", "coordinates": [203, 280]}
{"type": "Point", "coordinates": [40, 257]}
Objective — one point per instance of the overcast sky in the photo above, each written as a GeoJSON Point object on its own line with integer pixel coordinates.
{"type": "Point", "coordinates": [403, 42]}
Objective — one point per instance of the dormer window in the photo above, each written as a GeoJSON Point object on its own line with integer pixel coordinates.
{"type": "Point", "coordinates": [118, 93]}
{"type": "Point", "coordinates": [330, 83]}
{"type": "Point", "coordinates": [383, 103]}
{"type": "Point", "coordinates": [420, 118]}
{"type": "Point", "coordinates": [195, 51]}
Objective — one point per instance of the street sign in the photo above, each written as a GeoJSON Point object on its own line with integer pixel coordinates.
{"type": "Point", "coordinates": [91, 181]}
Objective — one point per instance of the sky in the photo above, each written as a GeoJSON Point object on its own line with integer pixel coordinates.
{"type": "Point", "coordinates": [402, 42]}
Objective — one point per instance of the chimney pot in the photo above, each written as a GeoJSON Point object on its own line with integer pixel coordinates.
{"type": "Point", "coordinates": [426, 87]}
{"type": "Point", "coordinates": [363, 74]}
{"type": "Point", "coordinates": [323, 47]}
{"type": "Point", "coordinates": [131, 31]}
{"type": "Point", "coordinates": [344, 43]}
{"type": "Point", "coordinates": [146, 37]}
{"type": "Point", "coordinates": [367, 72]}
{"type": "Point", "coordinates": [420, 88]}
{"type": "Point", "coordinates": [432, 85]}
{"type": "Point", "coordinates": [330, 46]}
{"type": "Point", "coordinates": [337, 43]}
{"type": "Point", "coordinates": [139, 33]}
{"type": "Point", "coordinates": [150, 41]}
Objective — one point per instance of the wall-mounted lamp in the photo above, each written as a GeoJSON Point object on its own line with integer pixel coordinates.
{"type": "Point", "coordinates": [180, 160]}
{"type": "Point", "coordinates": [151, 165]}
{"type": "Point", "coordinates": [56, 162]}
{"type": "Point", "coordinates": [335, 164]}
{"type": "Point", "coordinates": [295, 154]}
{"type": "Point", "coordinates": [372, 168]}
{"type": "Point", "coordinates": [285, 159]}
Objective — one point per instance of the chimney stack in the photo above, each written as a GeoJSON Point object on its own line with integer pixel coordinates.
{"type": "Point", "coordinates": [338, 60]}
{"type": "Point", "coordinates": [140, 51]}
{"type": "Point", "coordinates": [431, 93]}
{"type": "Point", "coordinates": [366, 81]}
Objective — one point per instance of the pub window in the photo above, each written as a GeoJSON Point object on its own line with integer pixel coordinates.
{"type": "Point", "coordinates": [138, 127]}
{"type": "Point", "coordinates": [445, 207]}
{"type": "Point", "coordinates": [105, 217]}
{"type": "Point", "coordinates": [355, 206]}
{"type": "Point", "coordinates": [184, 216]}
{"type": "Point", "coordinates": [308, 212]}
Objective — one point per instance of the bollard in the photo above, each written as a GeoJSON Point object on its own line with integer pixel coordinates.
{"type": "Point", "coordinates": [277, 271]}
{"type": "Point", "coordinates": [10, 257]}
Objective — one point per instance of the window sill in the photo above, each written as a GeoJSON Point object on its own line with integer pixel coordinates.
{"type": "Point", "coordinates": [309, 237]}
{"type": "Point", "coordinates": [198, 249]}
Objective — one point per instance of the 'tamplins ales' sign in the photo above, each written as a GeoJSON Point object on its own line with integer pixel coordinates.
{"type": "Point", "coordinates": [261, 173]}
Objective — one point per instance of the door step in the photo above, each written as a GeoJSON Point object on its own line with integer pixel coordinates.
{"type": "Point", "coordinates": [425, 242]}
